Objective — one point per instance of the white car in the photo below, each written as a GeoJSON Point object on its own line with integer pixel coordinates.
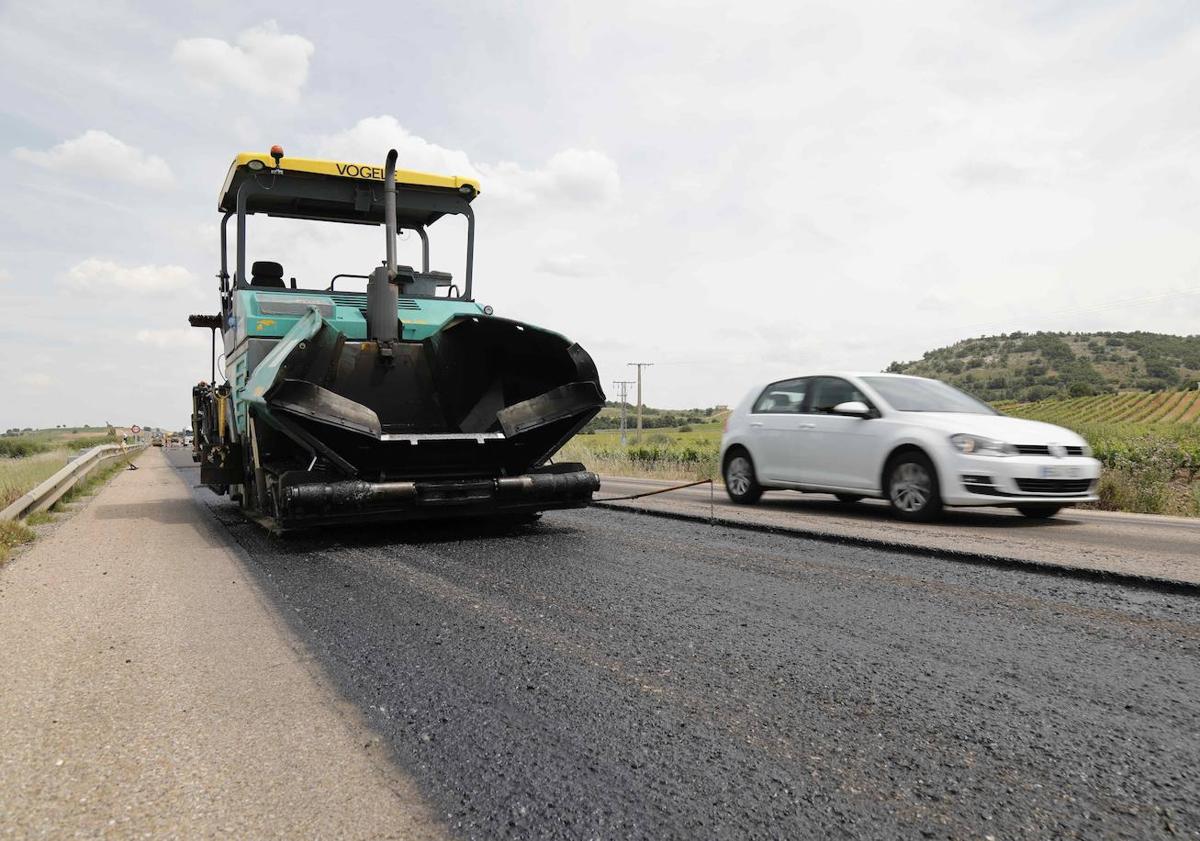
{"type": "Point", "coordinates": [919, 443]}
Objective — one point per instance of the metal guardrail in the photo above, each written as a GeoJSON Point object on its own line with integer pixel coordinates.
{"type": "Point", "coordinates": [53, 489]}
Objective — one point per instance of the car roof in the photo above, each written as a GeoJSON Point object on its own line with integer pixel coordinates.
{"type": "Point", "coordinates": [762, 385]}
{"type": "Point", "coordinates": [855, 374]}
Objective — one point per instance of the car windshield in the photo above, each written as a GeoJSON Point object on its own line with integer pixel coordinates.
{"type": "Point", "coordinates": [913, 394]}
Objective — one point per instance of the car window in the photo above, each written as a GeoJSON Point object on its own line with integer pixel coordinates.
{"type": "Point", "coordinates": [828, 392]}
{"type": "Point", "coordinates": [916, 394]}
{"type": "Point", "coordinates": [786, 397]}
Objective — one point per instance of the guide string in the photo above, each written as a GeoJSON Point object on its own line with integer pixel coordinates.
{"type": "Point", "coordinates": [709, 482]}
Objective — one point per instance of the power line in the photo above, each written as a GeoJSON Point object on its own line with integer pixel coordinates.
{"type": "Point", "coordinates": [622, 385]}
{"type": "Point", "coordinates": [639, 366]}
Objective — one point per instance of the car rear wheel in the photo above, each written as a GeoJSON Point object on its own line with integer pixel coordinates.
{"type": "Point", "coordinates": [1039, 512]}
{"type": "Point", "coordinates": [848, 498]}
{"type": "Point", "coordinates": [740, 482]}
{"type": "Point", "coordinates": [913, 487]}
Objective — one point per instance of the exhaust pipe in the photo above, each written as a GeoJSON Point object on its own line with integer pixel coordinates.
{"type": "Point", "coordinates": [389, 210]}
{"type": "Point", "coordinates": [383, 323]}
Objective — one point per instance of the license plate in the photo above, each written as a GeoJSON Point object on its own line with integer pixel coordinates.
{"type": "Point", "coordinates": [1061, 472]}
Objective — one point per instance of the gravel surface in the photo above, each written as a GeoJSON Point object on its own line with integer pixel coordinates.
{"type": "Point", "coordinates": [610, 675]}
{"type": "Point", "coordinates": [149, 690]}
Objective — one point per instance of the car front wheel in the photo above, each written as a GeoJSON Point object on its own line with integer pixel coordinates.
{"type": "Point", "coordinates": [740, 481]}
{"type": "Point", "coordinates": [913, 487]}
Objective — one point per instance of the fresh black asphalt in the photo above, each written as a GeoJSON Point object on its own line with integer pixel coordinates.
{"type": "Point", "coordinates": [609, 675]}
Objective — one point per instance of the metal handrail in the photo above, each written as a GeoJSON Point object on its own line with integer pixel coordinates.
{"type": "Point", "coordinates": [336, 276]}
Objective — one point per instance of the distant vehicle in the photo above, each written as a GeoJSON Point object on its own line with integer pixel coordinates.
{"type": "Point", "coordinates": [919, 443]}
{"type": "Point", "coordinates": [156, 440]}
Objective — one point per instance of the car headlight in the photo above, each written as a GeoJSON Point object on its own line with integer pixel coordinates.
{"type": "Point", "coordinates": [1087, 449]}
{"type": "Point", "coordinates": [977, 445]}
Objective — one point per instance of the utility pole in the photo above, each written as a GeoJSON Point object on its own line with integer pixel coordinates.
{"type": "Point", "coordinates": [622, 385]}
{"type": "Point", "coordinates": [640, 366]}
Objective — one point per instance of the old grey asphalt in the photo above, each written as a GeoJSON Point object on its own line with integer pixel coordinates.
{"type": "Point", "coordinates": [610, 675]}
{"type": "Point", "coordinates": [1150, 546]}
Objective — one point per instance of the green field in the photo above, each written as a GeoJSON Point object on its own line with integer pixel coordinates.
{"type": "Point", "coordinates": [29, 458]}
{"type": "Point", "coordinates": [1149, 443]}
{"type": "Point", "coordinates": [1118, 425]}
{"type": "Point", "coordinates": [18, 475]}
{"type": "Point", "coordinates": [687, 451]}
{"type": "Point", "coordinates": [1113, 423]}
{"type": "Point", "coordinates": [1151, 409]}
{"type": "Point", "coordinates": [18, 443]}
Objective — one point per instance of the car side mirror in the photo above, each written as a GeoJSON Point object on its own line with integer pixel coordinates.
{"type": "Point", "coordinates": [853, 408]}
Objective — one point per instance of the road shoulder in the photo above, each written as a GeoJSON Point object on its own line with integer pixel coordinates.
{"type": "Point", "coordinates": [149, 689]}
{"type": "Point", "coordinates": [1150, 550]}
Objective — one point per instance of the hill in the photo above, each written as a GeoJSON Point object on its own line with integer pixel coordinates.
{"type": "Point", "coordinates": [1028, 367]}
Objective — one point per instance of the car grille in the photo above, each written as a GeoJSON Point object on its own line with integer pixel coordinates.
{"type": "Point", "coordinates": [1044, 450]}
{"type": "Point", "coordinates": [1054, 486]}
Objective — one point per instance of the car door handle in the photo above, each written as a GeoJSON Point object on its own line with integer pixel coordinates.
{"type": "Point", "coordinates": [807, 426]}
{"type": "Point", "coordinates": [756, 423]}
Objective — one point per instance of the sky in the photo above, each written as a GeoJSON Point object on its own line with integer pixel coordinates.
{"type": "Point", "coordinates": [736, 192]}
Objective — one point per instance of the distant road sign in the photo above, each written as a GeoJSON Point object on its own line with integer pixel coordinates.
{"type": "Point", "coordinates": [135, 429]}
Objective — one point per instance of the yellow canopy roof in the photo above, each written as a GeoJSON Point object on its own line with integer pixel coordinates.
{"type": "Point", "coordinates": [248, 165]}
{"type": "Point", "coordinates": [371, 172]}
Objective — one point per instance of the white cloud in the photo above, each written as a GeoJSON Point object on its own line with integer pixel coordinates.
{"type": "Point", "coordinates": [572, 177]}
{"type": "Point", "coordinates": [990, 174]}
{"type": "Point", "coordinates": [169, 338]}
{"type": "Point", "coordinates": [5, 277]}
{"type": "Point", "coordinates": [569, 265]}
{"type": "Point", "coordinates": [97, 275]}
{"type": "Point", "coordinates": [97, 153]}
{"type": "Point", "coordinates": [35, 379]}
{"type": "Point", "coordinates": [263, 61]}
{"type": "Point", "coordinates": [371, 137]}
{"type": "Point", "coordinates": [582, 177]}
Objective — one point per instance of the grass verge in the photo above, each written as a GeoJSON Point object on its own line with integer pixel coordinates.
{"type": "Point", "coordinates": [14, 533]}
{"type": "Point", "coordinates": [654, 461]}
{"type": "Point", "coordinates": [1150, 474]}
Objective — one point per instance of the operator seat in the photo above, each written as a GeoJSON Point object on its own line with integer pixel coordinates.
{"type": "Point", "coordinates": [266, 274]}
